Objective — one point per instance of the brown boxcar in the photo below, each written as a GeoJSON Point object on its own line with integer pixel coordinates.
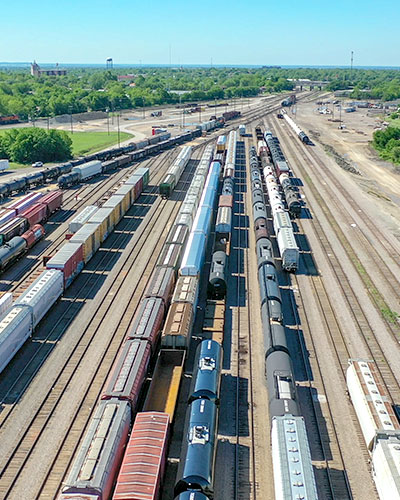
{"type": "Point", "coordinates": [143, 464]}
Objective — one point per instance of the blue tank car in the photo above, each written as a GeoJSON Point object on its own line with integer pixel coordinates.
{"type": "Point", "coordinates": [192, 495]}
{"type": "Point", "coordinates": [198, 469]}
{"type": "Point", "coordinates": [208, 374]}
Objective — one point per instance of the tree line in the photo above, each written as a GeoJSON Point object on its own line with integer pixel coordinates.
{"type": "Point", "coordinates": [87, 89]}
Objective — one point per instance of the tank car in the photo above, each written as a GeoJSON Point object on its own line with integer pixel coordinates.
{"type": "Point", "coordinates": [198, 469]}
{"type": "Point", "coordinates": [228, 186]}
{"type": "Point", "coordinates": [34, 179]}
{"type": "Point", "coordinates": [11, 251]}
{"type": "Point", "coordinates": [16, 185]}
{"type": "Point", "coordinates": [259, 211]}
{"type": "Point", "coordinates": [269, 286]}
{"type": "Point", "coordinates": [256, 185]}
{"type": "Point", "coordinates": [217, 279]}
{"type": "Point", "coordinates": [208, 372]}
{"type": "Point", "coordinates": [273, 332]}
{"type": "Point", "coordinates": [264, 252]}
{"type": "Point", "coordinates": [68, 180]}
{"type": "Point", "coordinates": [260, 228]}
{"type": "Point", "coordinates": [293, 201]}
{"type": "Point", "coordinates": [282, 394]}
{"type": "Point", "coordinates": [258, 196]}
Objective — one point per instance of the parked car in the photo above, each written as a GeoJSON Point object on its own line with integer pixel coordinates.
{"type": "Point", "coordinates": [37, 164]}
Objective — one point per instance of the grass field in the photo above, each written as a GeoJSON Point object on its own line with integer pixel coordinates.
{"type": "Point", "coordinates": [394, 122]}
{"type": "Point", "coordinates": [84, 143]}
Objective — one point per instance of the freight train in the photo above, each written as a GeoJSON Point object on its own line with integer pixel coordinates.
{"type": "Point", "coordinates": [282, 171]}
{"type": "Point", "coordinates": [111, 158]}
{"type": "Point", "coordinates": [379, 424]}
{"type": "Point", "coordinates": [197, 473]}
{"type": "Point", "coordinates": [20, 224]}
{"type": "Point", "coordinates": [18, 323]}
{"type": "Point", "coordinates": [283, 226]}
{"type": "Point", "coordinates": [287, 424]}
{"type": "Point", "coordinates": [127, 376]}
{"type": "Point", "coordinates": [296, 129]}
{"type": "Point", "coordinates": [217, 281]}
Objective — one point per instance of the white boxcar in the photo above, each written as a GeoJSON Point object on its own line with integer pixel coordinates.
{"type": "Point", "coordinates": [281, 220]}
{"type": "Point", "coordinates": [291, 459]}
{"type": "Point", "coordinates": [370, 399]}
{"type": "Point", "coordinates": [15, 328]}
{"type": "Point", "coordinates": [223, 224]}
{"type": "Point", "coordinates": [96, 465]}
{"type": "Point", "coordinates": [193, 257]}
{"type": "Point", "coordinates": [386, 465]}
{"type": "Point", "coordinates": [5, 303]}
{"type": "Point", "coordinates": [186, 290]}
{"type": "Point", "coordinates": [4, 165]}
{"type": "Point", "coordinates": [288, 249]}
{"type": "Point", "coordinates": [89, 169]}
{"type": "Point", "coordinates": [42, 294]}
{"type": "Point", "coordinates": [83, 216]}
{"type": "Point", "coordinates": [185, 220]}
{"type": "Point", "coordinates": [242, 129]}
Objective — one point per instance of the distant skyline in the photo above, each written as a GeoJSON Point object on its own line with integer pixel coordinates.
{"type": "Point", "coordinates": [178, 32]}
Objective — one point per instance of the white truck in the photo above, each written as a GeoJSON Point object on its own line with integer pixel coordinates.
{"type": "Point", "coordinates": [4, 165]}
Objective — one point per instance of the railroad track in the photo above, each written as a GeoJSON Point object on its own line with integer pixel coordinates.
{"type": "Point", "coordinates": [366, 232]}
{"type": "Point", "coordinates": [342, 346]}
{"type": "Point", "coordinates": [365, 329]}
{"type": "Point", "coordinates": [137, 275]}
{"type": "Point", "coordinates": [88, 195]}
{"type": "Point", "coordinates": [245, 466]}
{"type": "Point", "coordinates": [17, 385]}
{"type": "Point", "coordinates": [330, 472]}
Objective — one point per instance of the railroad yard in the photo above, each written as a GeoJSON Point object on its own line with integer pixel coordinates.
{"type": "Point", "coordinates": [196, 324]}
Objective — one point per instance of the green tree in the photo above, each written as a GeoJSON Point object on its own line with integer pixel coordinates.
{"type": "Point", "coordinates": [27, 145]}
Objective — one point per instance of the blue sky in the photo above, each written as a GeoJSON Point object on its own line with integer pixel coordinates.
{"type": "Point", "coordinates": [259, 32]}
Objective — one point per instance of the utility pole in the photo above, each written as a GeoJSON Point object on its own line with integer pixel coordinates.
{"type": "Point", "coordinates": [144, 113]}
{"type": "Point", "coordinates": [119, 141]}
{"type": "Point", "coordinates": [351, 65]}
{"type": "Point", "coordinates": [108, 121]}
{"type": "Point", "coordinates": [70, 116]}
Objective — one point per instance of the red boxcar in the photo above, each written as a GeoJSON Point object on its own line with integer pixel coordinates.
{"type": "Point", "coordinates": [69, 259]}
{"type": "Point", "coordinates": [225, 200]}
{"type": "Point", "coordinates": [136, 181]}
{"type": "Point", "coordinates": [128, 372]}
{"type": "Point", "coordinates": [33, 235]}
{"type": "Point", "coordinates": [143, 464]}
{"type": "Point", "coordinates": [147, 322]}
{"type": "Point", "coordinates": [53, 201]}
{"type": "Point", "coordinates": [35, 214]}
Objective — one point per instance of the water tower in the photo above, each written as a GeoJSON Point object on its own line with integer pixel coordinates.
{"type": "Point", "coordinates": [109, 63]}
